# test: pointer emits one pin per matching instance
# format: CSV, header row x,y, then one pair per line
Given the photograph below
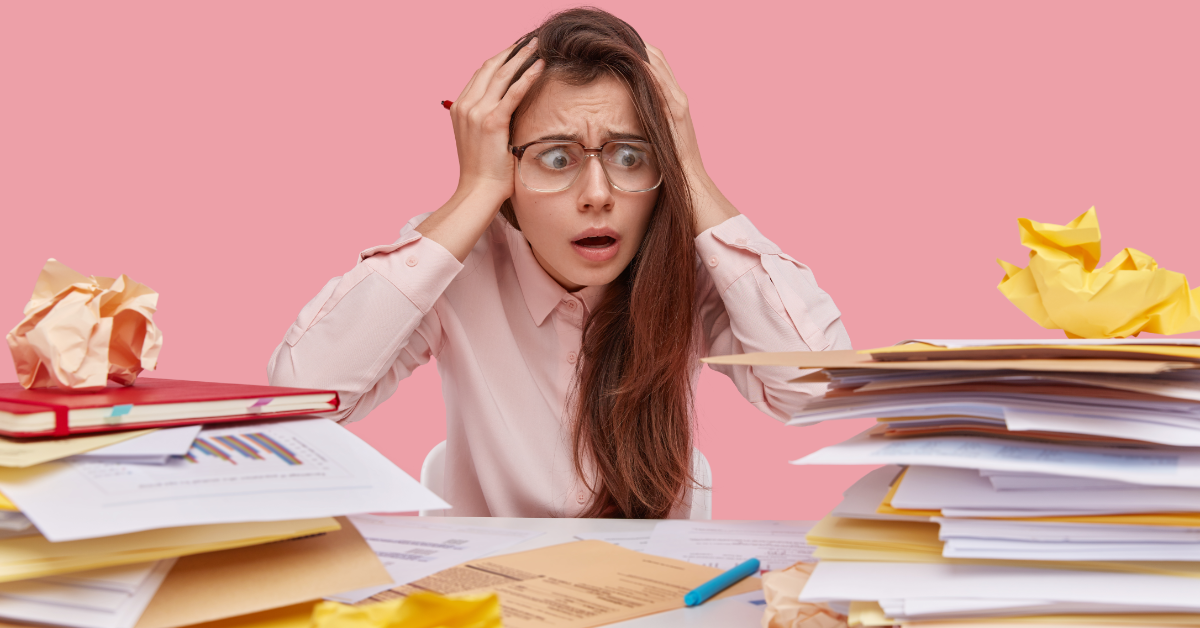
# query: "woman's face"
x,y
586,234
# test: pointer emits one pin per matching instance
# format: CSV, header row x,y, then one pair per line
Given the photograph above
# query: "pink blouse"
x,y
506,337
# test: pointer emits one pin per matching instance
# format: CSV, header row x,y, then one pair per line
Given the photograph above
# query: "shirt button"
x,y
712,261
580,497
572,304
411,261
740,241
571,357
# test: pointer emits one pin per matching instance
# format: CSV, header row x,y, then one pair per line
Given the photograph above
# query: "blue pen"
x,y
700,594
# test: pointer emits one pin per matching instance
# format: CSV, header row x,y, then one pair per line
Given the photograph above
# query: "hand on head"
x,y
481,117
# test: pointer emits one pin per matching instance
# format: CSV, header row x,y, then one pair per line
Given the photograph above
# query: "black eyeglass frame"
x,y
519,152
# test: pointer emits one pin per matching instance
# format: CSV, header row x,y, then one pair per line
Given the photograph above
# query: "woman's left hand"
x,y
711,207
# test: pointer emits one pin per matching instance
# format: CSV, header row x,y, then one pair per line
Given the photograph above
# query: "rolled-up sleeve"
x,y
758,298
370,328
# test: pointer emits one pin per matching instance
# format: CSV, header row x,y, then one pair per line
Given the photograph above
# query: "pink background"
x,y
236,155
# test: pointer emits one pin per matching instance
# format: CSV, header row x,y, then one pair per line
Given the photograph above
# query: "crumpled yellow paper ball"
x,y
1062,288
782,588
79,332
419,610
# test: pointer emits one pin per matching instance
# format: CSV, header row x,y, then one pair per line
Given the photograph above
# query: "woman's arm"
x,y
753,297
370,328
486,168
367,330
710,205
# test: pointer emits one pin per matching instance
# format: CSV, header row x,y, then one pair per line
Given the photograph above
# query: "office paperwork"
x,y
411,549
105,598
1042,480
154,448
261,472
27,453
575,585
726,544
219,585
636,541
1143,466
33,556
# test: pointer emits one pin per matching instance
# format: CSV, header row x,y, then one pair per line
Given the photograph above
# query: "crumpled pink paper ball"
x,y
79,332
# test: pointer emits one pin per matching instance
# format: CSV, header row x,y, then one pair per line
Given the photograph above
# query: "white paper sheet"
x,y
1175,423
114,597
412,548
967,609
854,580
262,472
636,541
1152,467
936,488
862,499
1050,531
157,447
1010,481
1075,551
726,544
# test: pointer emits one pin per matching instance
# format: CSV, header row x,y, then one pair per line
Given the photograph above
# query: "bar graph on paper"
x,y
246,448
223,459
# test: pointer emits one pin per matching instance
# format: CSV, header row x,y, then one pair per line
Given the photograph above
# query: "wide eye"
x,y
555,158
627,156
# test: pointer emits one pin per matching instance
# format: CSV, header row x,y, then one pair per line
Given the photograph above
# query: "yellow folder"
x,y
33,556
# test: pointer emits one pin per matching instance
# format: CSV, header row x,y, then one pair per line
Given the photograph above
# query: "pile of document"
x,y
177,526
1025,482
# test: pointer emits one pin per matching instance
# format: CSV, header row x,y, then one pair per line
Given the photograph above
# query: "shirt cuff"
x,y
418,267
731,249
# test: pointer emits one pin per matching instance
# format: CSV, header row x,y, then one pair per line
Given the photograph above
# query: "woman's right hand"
x,y
486,168
481,117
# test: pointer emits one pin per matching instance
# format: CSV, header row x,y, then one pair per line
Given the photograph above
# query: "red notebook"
x,y
149,403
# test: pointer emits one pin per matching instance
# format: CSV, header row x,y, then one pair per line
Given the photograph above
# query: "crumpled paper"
x,y
419,610
1062,288
785,610
79,332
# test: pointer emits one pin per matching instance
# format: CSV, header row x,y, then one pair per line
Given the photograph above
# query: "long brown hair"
x,y
632,396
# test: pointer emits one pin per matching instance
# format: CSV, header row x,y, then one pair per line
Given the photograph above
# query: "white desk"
x,y
740,611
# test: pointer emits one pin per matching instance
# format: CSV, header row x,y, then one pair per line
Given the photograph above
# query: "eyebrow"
x,y
609,136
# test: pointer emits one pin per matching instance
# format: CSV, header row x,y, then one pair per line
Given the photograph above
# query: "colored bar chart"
x,y
248,447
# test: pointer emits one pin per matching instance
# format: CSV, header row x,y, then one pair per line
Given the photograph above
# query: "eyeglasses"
x,y
553,166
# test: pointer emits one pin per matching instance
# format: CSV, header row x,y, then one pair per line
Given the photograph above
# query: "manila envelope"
x,y
581,584
208,587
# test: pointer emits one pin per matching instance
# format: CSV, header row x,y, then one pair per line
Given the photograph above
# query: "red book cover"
x,y
17,401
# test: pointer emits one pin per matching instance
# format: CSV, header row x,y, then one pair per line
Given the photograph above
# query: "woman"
x,y
567,289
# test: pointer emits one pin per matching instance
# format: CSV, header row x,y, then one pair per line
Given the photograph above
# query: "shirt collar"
x,y
542,293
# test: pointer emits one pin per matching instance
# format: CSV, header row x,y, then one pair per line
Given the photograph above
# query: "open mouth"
x,y
596,242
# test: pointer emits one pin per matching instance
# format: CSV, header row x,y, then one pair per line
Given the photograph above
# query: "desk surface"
x,y
740,611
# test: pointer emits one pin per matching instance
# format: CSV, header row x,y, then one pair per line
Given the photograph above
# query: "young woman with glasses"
x,y
568,288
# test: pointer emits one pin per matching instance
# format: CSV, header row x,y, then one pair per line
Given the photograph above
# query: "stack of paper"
x,y
146,529
1039,480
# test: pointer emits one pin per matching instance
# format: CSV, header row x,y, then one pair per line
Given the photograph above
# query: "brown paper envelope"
x,y
207,587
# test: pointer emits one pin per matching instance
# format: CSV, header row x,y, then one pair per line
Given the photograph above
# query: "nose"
x,y
595,193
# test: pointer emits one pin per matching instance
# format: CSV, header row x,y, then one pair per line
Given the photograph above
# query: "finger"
x,y
467,88
662,72
517,92
503,76
659,61
483,77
